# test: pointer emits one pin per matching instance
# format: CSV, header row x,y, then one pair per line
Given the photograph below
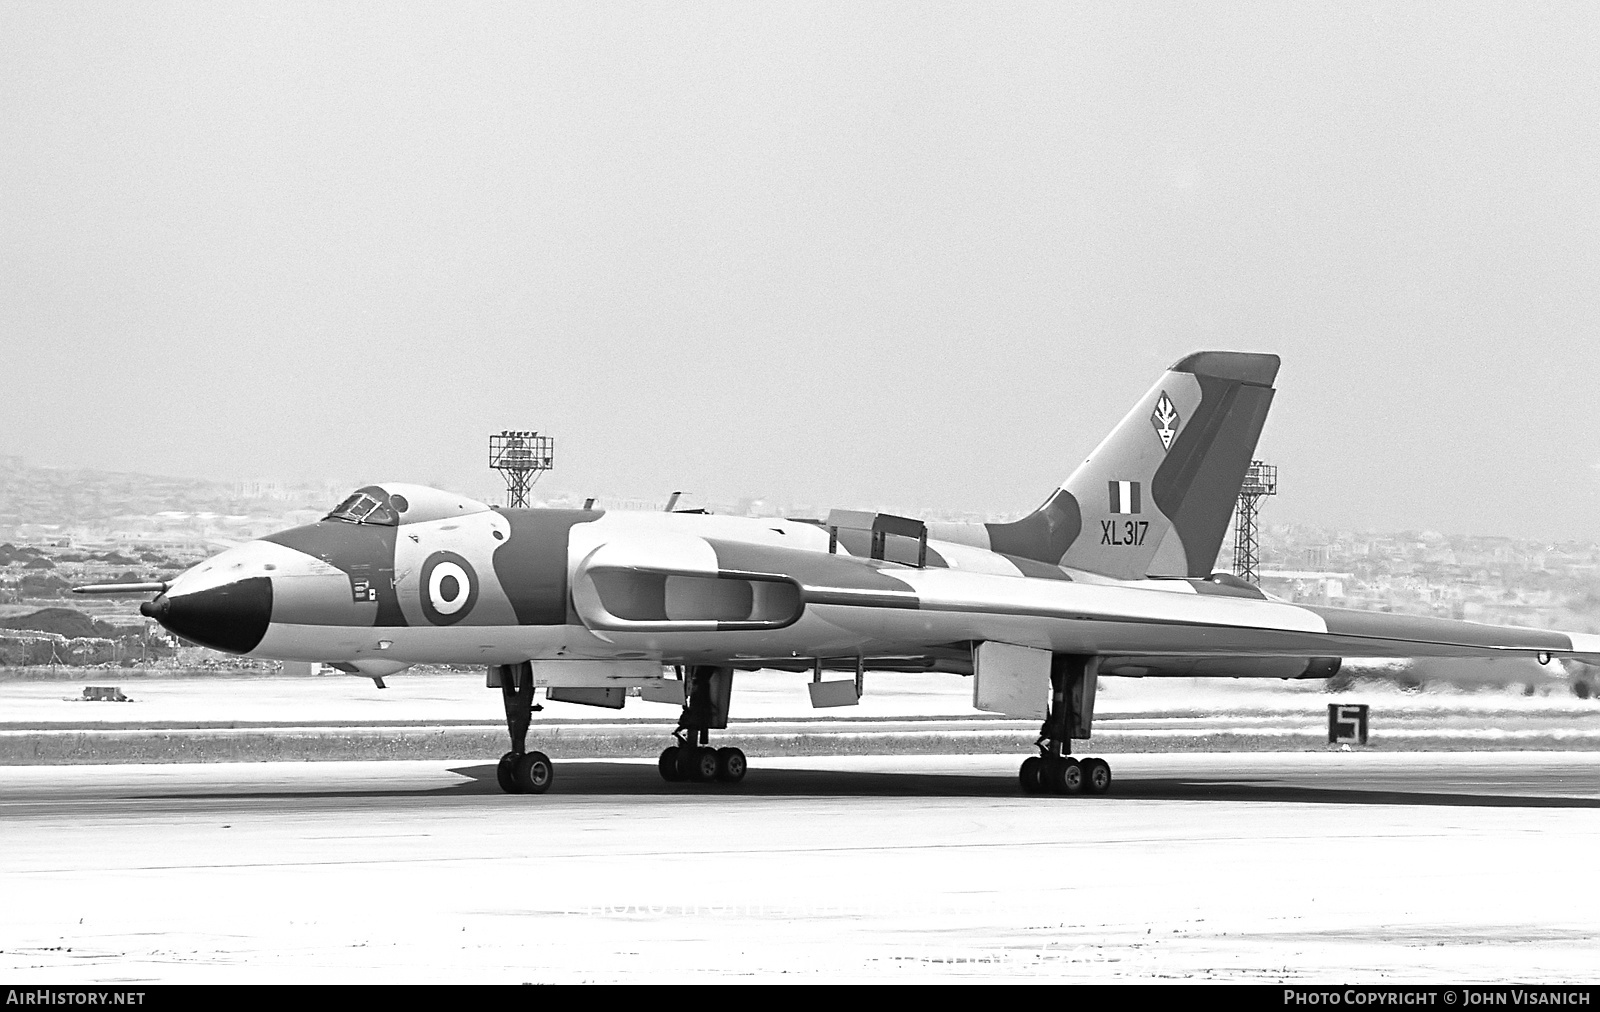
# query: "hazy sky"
x,y
855,254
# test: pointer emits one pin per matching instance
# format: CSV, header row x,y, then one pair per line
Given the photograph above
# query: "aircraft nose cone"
x,y
231,617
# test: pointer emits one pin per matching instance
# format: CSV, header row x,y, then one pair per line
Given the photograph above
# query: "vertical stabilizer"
x,y
1155,496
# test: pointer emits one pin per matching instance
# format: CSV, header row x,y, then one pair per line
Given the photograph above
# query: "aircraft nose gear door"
x,y
706,693
520,771
1073,680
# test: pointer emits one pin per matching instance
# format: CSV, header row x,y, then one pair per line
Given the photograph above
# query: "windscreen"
x,y
363,508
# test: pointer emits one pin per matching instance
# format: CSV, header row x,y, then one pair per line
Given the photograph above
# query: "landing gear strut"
x,y
520,771
1071,715
705,708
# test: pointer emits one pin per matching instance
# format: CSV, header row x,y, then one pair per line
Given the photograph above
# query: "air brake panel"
x,y
1010,679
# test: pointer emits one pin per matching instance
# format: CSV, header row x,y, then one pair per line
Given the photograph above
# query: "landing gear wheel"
x,y
1096,776
668,764
1071,777
1030,773
705,764
1063,776
533,772
697,763
506,775
731,765
686,762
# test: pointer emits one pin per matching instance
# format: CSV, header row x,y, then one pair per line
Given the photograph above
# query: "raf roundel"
x,y
449,588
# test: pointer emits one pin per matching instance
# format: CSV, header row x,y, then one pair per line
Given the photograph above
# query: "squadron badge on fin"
x,y
1165,419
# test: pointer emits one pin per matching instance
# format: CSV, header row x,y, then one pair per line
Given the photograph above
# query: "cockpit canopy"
x,y
393,504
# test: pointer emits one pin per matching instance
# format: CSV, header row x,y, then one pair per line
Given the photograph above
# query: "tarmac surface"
x,y
1305,866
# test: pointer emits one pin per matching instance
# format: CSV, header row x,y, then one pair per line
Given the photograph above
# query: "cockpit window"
x,y
362,508
393,504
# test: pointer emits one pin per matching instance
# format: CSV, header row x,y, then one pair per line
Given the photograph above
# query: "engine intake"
x,y
636,599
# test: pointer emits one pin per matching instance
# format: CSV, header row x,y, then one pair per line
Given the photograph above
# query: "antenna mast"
x,y
1260,480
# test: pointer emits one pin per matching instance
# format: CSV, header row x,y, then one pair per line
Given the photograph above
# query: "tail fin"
x,y
1155,496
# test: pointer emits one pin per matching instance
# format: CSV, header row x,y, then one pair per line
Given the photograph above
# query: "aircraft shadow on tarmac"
x,y
599,778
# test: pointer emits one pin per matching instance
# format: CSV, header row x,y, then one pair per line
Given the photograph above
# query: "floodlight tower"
x,y
1260,480
520,457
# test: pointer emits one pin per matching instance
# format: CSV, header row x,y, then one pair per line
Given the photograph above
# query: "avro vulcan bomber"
x,y
1113,574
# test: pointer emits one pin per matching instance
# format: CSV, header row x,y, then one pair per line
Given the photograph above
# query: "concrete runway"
x,y
1361,866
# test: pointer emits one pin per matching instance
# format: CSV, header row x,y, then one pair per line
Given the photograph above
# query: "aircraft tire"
x,y
731,765
668,764
534,772
686,754
1050,775
505,773
1029,775
1063,776
1096,776
697,764
705,764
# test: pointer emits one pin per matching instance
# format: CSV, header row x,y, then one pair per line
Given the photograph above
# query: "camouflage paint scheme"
x,y
1116,563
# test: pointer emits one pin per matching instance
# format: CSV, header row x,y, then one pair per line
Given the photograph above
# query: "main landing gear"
x,y
1071,715
701,763
705,708
520,771
1062,774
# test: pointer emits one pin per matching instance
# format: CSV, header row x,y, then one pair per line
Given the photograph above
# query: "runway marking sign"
x,y
1347,723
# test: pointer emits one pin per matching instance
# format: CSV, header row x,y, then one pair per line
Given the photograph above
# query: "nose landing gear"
x,y
520,771
705,707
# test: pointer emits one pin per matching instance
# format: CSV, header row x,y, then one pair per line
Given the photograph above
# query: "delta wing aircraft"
x,y
1111,575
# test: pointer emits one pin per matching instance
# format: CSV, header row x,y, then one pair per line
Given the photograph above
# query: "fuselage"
x,y
401,575
452,580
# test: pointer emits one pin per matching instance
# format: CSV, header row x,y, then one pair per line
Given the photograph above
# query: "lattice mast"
x,y
1259,481
520,457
